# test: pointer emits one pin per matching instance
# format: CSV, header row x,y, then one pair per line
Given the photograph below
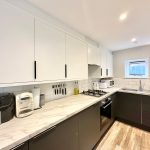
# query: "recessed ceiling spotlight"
x,y
133,40
123,16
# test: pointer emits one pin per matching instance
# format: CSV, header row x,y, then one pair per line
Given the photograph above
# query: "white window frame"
x,y
127,62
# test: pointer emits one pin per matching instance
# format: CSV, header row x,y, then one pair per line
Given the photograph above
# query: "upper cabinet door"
x,y
93,55
49,52
76,58
109,64
106,64
16,45
103,63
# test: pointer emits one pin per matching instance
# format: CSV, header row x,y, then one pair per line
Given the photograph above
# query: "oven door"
x,y
105,113
106,109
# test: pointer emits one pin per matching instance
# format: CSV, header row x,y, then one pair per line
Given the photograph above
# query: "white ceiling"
x,y
99,19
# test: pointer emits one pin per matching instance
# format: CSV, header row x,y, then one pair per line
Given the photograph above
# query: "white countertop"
x,y
145,92
19,130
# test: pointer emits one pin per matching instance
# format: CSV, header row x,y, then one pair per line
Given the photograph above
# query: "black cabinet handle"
x,y
107,72
44,132
65,70
34,69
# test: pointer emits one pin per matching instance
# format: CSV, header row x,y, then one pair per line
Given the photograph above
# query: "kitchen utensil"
x,y
36,97
42,100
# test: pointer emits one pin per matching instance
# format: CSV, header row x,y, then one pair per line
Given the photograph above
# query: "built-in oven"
x,y
105,114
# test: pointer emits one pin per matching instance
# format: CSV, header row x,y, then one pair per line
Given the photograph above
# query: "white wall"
x,y
132,83
119,58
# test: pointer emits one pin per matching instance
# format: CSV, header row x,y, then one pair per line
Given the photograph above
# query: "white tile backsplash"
x,y
132,83
48,90
83,85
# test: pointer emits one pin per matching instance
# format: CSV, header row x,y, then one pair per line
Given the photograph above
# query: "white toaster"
x,y
103,85
24,104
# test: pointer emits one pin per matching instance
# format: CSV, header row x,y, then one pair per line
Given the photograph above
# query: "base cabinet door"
x,y
146,110
62,137
80,132
128,107
89,127
23,146
114,103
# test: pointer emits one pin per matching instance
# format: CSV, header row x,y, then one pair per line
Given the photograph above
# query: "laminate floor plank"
x,y
125,137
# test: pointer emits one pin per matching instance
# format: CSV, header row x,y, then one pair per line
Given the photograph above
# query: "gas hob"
x,y
95,93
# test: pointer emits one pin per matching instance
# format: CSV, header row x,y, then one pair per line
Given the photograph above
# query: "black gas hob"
x,y
96,93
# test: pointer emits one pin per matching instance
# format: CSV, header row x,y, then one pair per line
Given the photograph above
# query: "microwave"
x,y
109,83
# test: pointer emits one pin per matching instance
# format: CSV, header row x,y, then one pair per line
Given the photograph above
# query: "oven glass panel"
x,y
105,113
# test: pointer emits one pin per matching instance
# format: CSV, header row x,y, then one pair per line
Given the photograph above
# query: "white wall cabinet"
x,y
49,52
106,64
93,55
53,50
16,45
24,39
109,64
76,58
103,63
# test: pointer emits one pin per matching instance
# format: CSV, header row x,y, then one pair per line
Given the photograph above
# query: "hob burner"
x,y
96,93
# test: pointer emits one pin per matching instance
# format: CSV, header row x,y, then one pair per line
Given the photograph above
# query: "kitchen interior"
x,y
74,75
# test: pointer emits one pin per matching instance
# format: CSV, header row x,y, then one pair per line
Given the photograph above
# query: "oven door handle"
x,y
107,105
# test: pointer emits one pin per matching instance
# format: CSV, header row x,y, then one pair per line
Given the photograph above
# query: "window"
x,y
138,68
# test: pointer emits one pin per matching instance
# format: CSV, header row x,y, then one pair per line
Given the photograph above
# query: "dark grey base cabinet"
x,y
114,103
62,137
133,109
128,107
145,111
23,146
89,127
81,132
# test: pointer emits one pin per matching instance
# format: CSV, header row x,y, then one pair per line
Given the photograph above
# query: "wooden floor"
x,y
125,137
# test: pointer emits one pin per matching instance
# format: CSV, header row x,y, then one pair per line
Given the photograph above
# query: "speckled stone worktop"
x,y
144,92
19,130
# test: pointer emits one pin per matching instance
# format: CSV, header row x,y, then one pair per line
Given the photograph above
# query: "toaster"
x,y
109,82
103,85
24,104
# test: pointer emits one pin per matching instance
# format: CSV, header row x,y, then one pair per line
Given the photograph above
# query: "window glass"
x,y
136,68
